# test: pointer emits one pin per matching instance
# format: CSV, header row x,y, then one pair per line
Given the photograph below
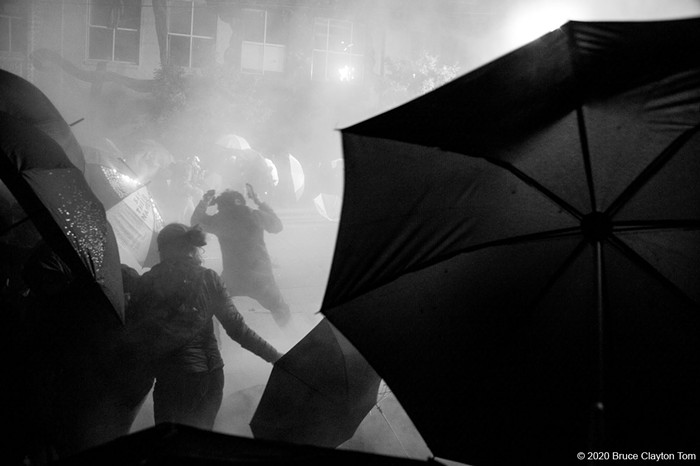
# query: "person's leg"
x,y
190,399
262,287
212,394
174,397
270,297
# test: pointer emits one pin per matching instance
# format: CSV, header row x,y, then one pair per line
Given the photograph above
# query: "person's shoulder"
x,y
212,279
147,275
199,270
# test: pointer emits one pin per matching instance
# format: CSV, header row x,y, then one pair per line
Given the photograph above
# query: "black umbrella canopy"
x,y
531,228
174,444
58,201
318,392
24,101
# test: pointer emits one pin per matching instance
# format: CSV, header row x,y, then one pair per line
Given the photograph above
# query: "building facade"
x,y
310,62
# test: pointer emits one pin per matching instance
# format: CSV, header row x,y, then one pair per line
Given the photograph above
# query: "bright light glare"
x,y
346,73
527,24
129,181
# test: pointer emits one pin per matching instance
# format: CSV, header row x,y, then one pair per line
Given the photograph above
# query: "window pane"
x,y
274,58
203,51
277,30
321,34
358,39
252,57
357,62
126,47
204,21
253,25
19,35
100,13
4,34
13,8
179,50
180,17
131,15
100,44
340,36
339,66
318,66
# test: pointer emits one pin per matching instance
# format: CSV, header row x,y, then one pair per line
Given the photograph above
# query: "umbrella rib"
x,y
345,363
14,225
586,153
123,161
652,225
550,234
305,383
654,167
538,186
346,375
396,436
639,260
558,273
577,66
30,202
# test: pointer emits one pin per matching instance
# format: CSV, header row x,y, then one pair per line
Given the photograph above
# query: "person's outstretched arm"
x,y
232,321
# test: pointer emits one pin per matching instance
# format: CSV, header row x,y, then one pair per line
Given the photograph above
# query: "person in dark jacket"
x,y
247,268
75,390
190,378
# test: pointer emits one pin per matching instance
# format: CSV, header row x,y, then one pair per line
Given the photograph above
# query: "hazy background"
x,y
306,124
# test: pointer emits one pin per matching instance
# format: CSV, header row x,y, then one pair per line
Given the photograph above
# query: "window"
x,y
115,29
13,28
191,34
263,47
337,54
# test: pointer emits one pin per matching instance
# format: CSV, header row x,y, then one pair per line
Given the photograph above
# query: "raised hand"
x,y
251,193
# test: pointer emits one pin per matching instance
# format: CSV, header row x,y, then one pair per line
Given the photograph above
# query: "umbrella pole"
x,y
598,407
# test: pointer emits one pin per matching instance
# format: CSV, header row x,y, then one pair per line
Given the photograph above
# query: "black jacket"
x,y
183,279
240,231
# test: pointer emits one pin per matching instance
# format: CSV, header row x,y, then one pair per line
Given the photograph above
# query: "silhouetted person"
x,y
189,369
247,269
78,392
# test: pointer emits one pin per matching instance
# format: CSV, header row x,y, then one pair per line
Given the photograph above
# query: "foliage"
x,y
404,79
191,110
169,94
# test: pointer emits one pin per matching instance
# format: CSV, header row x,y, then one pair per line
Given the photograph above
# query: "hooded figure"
x,y
247,269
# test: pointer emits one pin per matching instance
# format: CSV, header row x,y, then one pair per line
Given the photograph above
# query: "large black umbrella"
x,y
174,444
54,195
318,392
24,101
519,250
